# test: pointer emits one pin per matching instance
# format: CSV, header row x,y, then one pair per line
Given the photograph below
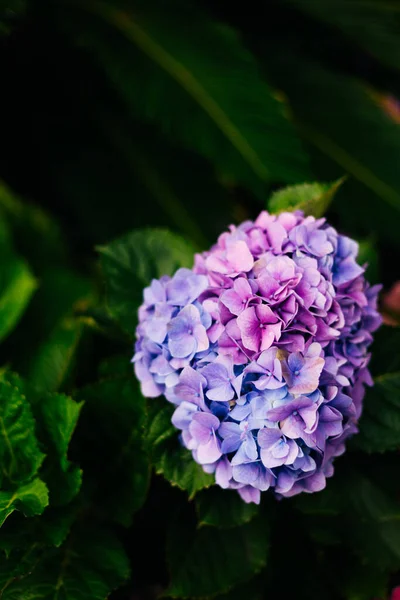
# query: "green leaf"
x,y
17,285
223,508
313,198
113,457
89,566
31,499
168,456
131,262
376,534
342,143
20,457
373,24
53,334
196,557
380,422
36,234
204,71
56,419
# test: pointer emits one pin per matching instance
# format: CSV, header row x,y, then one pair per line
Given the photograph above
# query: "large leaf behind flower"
x,y
199,83
132,261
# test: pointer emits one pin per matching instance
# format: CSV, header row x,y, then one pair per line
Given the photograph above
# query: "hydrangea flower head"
x,y
263,349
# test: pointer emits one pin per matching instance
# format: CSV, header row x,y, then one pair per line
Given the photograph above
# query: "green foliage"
x,y
115,409
17,285
168,456
195,557
374,25
20,456
223,508
214,91
89,565
131,262
380,422
31,499
312,198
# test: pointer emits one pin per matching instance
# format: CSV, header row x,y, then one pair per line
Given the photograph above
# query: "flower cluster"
x,y
263,348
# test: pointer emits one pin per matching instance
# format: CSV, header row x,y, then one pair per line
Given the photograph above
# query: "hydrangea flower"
x,y
263,349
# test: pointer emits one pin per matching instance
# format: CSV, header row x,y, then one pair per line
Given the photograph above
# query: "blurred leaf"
x,y
36,234
250,590
385,350
210,561
203,71
20,457
9,15
380,422
17,285
313,198
223,508
373,24
168,456
51,330
114,458
342,142
368,254
31,499
88,566
376,535
132,261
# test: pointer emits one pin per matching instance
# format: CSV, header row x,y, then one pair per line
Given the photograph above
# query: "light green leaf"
x,y
17,285
380,422
89,566
312,198
190,65
113,458
168,456
31,499
131,262
223,508
20,457
373,24
195,557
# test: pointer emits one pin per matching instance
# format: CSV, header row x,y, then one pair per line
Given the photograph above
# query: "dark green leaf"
x,y
169,457
373,24
380,422
31,499
368,254
36,234
20,457
89,566
210,561
53,333
115,457
204,71
223,508
341,143
313,198
17,285
131,262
